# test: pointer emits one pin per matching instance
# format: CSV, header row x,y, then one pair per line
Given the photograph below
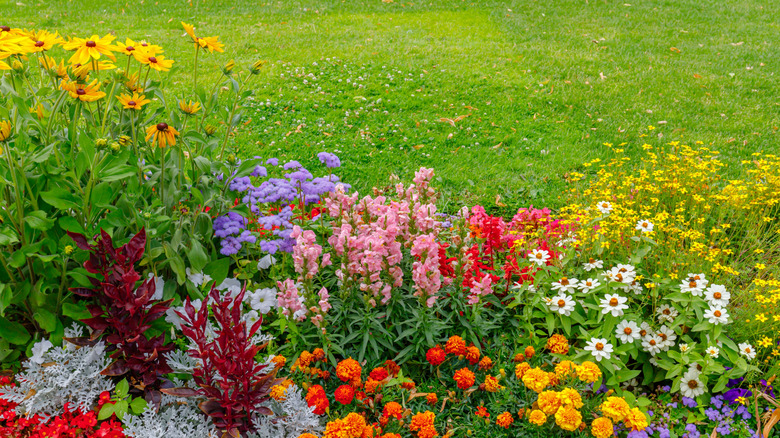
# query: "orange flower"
x,y
392,410
318,354
472,354
568,418
344,394
317,398
486,363
548,402
505,420
521,368
305,359
435,356
349,370
372,385
379,374
529,352
535,379
455,345
570,397
588,372
432,398
279,361
519,357
278,391
558,344
615,408
602,428
464,377
408,385
423,423
565,368
491,384
351,426
537,417
636,419
482,412
392,367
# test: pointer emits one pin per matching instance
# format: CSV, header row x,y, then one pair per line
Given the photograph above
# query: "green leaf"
x,y
121,389
37,220
13,332
106,411
61,198
120,409
75,311
138,405
197,256
46,319
218,269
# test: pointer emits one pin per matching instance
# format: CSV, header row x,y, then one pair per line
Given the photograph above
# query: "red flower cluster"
x,y
317,398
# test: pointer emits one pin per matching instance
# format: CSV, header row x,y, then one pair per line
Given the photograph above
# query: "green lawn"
x,y
544,83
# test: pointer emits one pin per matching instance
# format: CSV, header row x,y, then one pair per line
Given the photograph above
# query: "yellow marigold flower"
x,y
521,368
568,418
162,134
570,397
565,368
190,107
91,48
558,344
505,420
537,417
156,62
134,102
615,408
549,402
491,384
536,380
211,43
44,40
279,361
83,92
5,130
636,419
588,372
602,428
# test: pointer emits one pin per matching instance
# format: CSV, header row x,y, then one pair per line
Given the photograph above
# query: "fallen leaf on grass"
x,y
674,49
455,120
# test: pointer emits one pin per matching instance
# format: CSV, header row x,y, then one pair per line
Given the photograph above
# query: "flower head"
x,y
599,348
568,418
91,48
5,130
83,92
464,378
134,102
190,107
162,134
602,427
537,417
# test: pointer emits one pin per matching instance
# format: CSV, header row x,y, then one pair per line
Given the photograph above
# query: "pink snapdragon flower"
x,y
425,270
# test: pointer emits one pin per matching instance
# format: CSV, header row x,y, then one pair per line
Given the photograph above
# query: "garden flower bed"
x,y
155,284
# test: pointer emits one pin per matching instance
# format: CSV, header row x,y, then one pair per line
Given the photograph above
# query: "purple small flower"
x,y
689,402
272,162
666,388
292,164
241,184
329,160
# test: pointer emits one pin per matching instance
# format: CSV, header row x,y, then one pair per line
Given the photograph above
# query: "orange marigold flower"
x,y
368,431
486,363
521,368
379,374
568,418
392,367
615,408
548,402
529,352
536,380
565,368
278,391
350,426
482,412
602,428
279,361
435,356
519,357
537,417
408,385
455,345
349,370
305,359
344,394
464,377
318,354
588,372
324,375
472,354
372,385
317,398
491,384
390,435
505,420
554,380
307,435
570,397
432,398
520,413
423,422
636,419
392,410
558,344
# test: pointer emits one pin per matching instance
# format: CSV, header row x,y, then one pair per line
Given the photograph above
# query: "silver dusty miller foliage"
x,y
292,417
54,376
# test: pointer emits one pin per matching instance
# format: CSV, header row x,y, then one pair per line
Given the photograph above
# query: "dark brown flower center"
x,y
5,28
693,384
747,349
643,333
619,277
591,261
145,44
699,367
162,127
152,59
564,281
81,92
129,48
131,103
644,224
561,303
652,342
667,312
39,44
91,43
692,284
662,336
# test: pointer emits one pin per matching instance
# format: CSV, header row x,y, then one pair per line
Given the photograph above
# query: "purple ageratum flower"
x,y
272,162
259,172
717,401
241,184
689,402
329,160
713,414
666,388
692,431
672,405
292,164
724,429
663,432
637,434
299,175
230,224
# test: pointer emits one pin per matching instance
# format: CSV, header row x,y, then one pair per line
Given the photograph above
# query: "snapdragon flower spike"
x,y
124,313
234,384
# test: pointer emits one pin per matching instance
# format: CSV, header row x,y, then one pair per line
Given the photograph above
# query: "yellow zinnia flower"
x,y
158,63
91,48
5,130
83,92
162,134
44,40
190,107
134,102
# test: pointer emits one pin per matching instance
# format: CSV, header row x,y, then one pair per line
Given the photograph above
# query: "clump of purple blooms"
x,y
298,187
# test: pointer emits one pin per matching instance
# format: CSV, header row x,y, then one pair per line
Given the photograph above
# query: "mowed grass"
x,y
503,98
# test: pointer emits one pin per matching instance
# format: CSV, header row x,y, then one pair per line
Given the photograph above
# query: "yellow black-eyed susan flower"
x,y
91,48
190,107
158,63
162,134
134,102
83,92
5,130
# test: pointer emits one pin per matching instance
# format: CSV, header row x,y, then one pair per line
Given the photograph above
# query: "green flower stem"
x,y
108,107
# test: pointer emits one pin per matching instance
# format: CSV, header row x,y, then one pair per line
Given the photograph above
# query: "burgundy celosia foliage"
x,y
124,312
230,378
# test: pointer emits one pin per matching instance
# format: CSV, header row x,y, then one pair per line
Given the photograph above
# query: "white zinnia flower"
x,y
263,300
644,226
666,313
667,336
614,304
599,348
717,315
565,285
747,350
39,349
539,256
690,385
652,344
684,348
593,264
605,207
717,295
713,351
562,304
588,285
627,331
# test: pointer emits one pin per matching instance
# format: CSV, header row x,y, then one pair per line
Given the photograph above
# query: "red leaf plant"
x,y
228,375
124,313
